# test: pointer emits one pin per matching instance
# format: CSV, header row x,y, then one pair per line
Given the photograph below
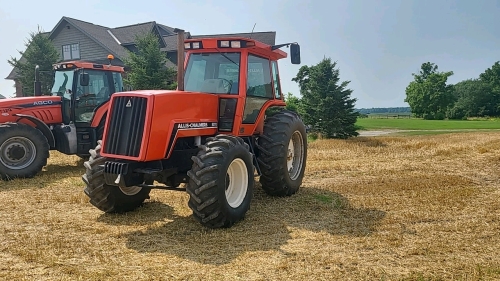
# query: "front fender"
x,y
40,125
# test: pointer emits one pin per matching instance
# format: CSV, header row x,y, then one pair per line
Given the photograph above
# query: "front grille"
x,y
126,126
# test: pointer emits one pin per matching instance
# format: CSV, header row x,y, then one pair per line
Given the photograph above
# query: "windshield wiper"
x,y
224,55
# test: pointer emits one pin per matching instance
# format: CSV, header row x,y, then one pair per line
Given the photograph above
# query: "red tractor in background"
x,y
70,119
215,133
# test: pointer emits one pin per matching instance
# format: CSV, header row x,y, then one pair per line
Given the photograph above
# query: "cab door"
x,y
259,89
87,100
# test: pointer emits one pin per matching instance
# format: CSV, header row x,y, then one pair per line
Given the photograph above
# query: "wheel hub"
x,y
236,183
17,153
295,156
131,190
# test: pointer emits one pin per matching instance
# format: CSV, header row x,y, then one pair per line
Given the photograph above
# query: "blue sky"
x,y
376,43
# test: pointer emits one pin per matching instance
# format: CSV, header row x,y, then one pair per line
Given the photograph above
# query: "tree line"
x,y
431,97
384,110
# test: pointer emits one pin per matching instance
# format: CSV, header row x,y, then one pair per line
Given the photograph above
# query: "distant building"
x,y
2,97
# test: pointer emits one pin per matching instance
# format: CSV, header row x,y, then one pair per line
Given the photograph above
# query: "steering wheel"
x,y
227,84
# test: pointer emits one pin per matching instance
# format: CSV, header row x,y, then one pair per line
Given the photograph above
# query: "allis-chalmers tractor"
x,y
70,119
212,133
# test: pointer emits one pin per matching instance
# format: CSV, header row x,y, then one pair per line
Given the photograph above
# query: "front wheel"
x,y
24,151
107,198
221,182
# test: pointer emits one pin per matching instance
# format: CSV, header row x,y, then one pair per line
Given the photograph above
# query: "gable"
x,y
89,49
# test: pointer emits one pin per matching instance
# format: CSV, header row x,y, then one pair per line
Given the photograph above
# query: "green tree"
x,y
147,66
491,76
326,101
293,103
474,98
39,51
428,95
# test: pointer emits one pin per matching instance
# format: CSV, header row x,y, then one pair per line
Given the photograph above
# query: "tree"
x,y
428,95
474,98
491,76
147,66
293,103
326,102
39,51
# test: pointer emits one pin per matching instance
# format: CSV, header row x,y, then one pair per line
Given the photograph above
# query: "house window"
x,y
71,51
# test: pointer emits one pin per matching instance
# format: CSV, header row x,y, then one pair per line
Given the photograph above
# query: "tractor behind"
x,y
214,134
70,119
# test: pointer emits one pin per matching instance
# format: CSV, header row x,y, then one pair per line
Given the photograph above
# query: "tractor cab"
x,y
84,87
243,72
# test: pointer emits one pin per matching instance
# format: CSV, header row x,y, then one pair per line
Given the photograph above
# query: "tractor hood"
x,y
45,108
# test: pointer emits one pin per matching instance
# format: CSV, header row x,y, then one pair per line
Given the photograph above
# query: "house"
x,y
80,40
2,97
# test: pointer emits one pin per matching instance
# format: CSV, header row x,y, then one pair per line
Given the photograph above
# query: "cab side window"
x,y
259,78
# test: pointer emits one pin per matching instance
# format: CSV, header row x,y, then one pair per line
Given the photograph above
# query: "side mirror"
x,y
84,79
295,53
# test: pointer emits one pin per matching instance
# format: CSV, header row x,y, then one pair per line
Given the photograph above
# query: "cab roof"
x,y
233,44
87,65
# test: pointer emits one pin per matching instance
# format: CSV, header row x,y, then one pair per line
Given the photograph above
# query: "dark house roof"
x,y
2,97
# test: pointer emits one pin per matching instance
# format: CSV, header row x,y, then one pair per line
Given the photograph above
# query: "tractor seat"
x,y
234,88
214,86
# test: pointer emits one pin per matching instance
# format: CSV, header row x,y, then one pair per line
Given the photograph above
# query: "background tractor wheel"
x,y
221,182
283,153
107,198
24,151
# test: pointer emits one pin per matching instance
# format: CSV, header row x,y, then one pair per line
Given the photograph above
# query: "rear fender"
x,y
40,125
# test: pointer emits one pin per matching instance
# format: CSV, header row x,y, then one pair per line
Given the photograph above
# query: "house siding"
x,y
89,50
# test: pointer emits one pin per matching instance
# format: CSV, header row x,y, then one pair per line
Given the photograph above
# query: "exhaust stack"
x,y
37,83
180,59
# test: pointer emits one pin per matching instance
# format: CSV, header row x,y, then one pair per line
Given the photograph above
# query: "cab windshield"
x,y
63,83
216,73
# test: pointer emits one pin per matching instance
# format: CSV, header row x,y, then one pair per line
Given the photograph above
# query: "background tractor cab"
x,y
84,87
70,119
214,133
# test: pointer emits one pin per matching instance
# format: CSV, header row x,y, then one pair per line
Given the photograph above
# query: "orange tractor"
x,y
214,133
70,119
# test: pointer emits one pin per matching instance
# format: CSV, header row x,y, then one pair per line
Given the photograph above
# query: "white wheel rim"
x,y
131,190
17,153
236,183
295,155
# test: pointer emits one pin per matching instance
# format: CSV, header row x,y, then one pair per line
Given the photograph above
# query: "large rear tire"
x,y
107,198
221,182
283,153
24,151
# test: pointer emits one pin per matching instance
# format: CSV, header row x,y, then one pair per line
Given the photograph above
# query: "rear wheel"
x,y
221,182
107,198
283,154
24,151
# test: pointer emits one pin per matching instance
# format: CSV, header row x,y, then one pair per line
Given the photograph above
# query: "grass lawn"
x,y
384,208
420,124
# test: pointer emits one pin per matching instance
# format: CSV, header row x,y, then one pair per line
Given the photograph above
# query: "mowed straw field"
x,y
371,208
